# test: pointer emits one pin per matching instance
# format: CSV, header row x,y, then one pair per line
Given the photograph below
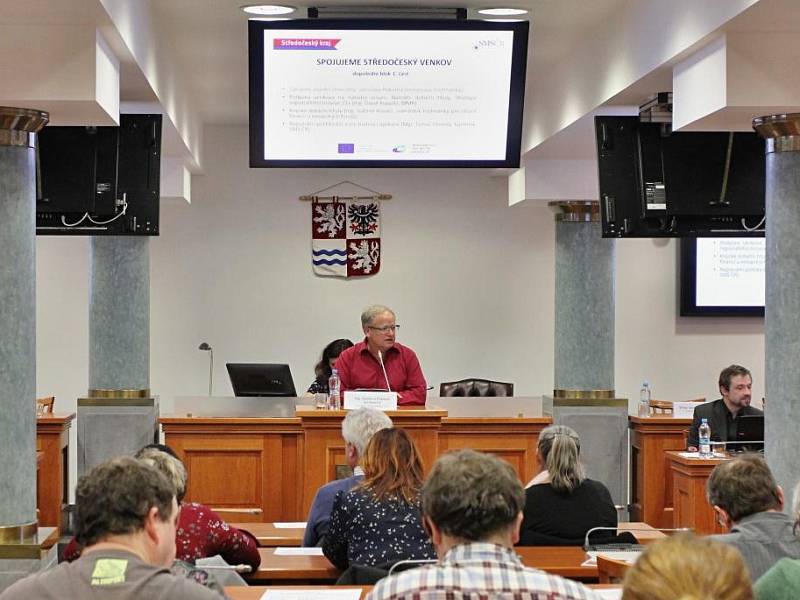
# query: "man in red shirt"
x,y
360,366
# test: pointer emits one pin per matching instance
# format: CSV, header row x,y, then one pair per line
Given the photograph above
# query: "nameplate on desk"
x,y
376,399
684,410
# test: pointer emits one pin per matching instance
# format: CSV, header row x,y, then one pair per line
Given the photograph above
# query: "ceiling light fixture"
x,y
504,20
270,19
503,12
267,9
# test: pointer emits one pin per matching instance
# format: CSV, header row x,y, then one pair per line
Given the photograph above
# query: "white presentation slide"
x,y
730,272
386,95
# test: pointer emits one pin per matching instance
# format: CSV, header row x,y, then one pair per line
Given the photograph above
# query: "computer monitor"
x,y
259,379
750,428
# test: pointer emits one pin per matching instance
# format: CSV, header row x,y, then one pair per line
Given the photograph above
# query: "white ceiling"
x,y
209,41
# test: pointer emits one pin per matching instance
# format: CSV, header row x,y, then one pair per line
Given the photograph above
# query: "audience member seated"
x,y
201,532
378,522
782,581
561,504
690,568
358,427
326,365
748,501
125,518
472,508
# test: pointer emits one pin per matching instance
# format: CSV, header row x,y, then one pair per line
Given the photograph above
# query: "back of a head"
x,y
392,466
169,465
559,449
361,424
687,567
743,486
115,497
471,495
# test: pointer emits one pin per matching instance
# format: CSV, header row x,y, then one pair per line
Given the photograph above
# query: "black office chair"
x,y
476,387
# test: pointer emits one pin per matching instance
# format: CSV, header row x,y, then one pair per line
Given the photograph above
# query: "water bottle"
x,y
704,433
644,399
334,391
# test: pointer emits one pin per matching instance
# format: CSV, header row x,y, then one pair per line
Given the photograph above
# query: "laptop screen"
x,y
260,379
750,428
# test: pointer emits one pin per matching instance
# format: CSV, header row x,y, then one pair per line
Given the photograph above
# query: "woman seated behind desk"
x,y
379,521
561,504
326,365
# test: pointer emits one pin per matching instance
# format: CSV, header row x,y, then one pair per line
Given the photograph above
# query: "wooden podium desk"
x,y
651,482
689,476
268,469
52,474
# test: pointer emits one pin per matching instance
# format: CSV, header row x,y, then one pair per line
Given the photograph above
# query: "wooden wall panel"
x,y
651,482
262,469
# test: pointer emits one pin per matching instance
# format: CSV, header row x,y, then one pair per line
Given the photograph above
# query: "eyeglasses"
x,y
385,328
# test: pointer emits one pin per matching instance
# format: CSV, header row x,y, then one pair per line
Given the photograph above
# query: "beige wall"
x,y
470,278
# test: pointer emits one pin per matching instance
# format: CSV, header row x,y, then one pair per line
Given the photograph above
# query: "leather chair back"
x,y
476,387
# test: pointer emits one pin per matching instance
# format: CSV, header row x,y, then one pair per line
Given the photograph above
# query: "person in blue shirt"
x,y
358,427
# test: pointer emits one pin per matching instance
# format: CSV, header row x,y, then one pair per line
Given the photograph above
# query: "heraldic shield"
x,y
346,238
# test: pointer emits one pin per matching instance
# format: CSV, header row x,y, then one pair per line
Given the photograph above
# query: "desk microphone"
x,y
587,546
385,376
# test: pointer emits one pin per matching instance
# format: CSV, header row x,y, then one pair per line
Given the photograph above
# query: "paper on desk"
x,y
290,551
320,594
629,556
690,454
609,593
291,525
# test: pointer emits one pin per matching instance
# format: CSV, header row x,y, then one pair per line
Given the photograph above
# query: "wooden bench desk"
x,y
269,536
557,560
254,592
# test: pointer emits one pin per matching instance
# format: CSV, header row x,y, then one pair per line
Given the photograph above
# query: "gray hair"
x,y
361,424
472,495
168,465
559,449
373,311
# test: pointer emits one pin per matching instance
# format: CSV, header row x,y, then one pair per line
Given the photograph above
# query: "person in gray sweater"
x,y
749,503
126,514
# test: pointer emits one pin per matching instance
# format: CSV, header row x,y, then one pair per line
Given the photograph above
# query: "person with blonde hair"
x,y
561,503
687,567
379,521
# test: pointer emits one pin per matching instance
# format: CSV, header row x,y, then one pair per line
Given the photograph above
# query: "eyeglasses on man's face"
x,y
385,328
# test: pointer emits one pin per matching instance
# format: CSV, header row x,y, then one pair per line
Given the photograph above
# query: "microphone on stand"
x,y
385,376
204,346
